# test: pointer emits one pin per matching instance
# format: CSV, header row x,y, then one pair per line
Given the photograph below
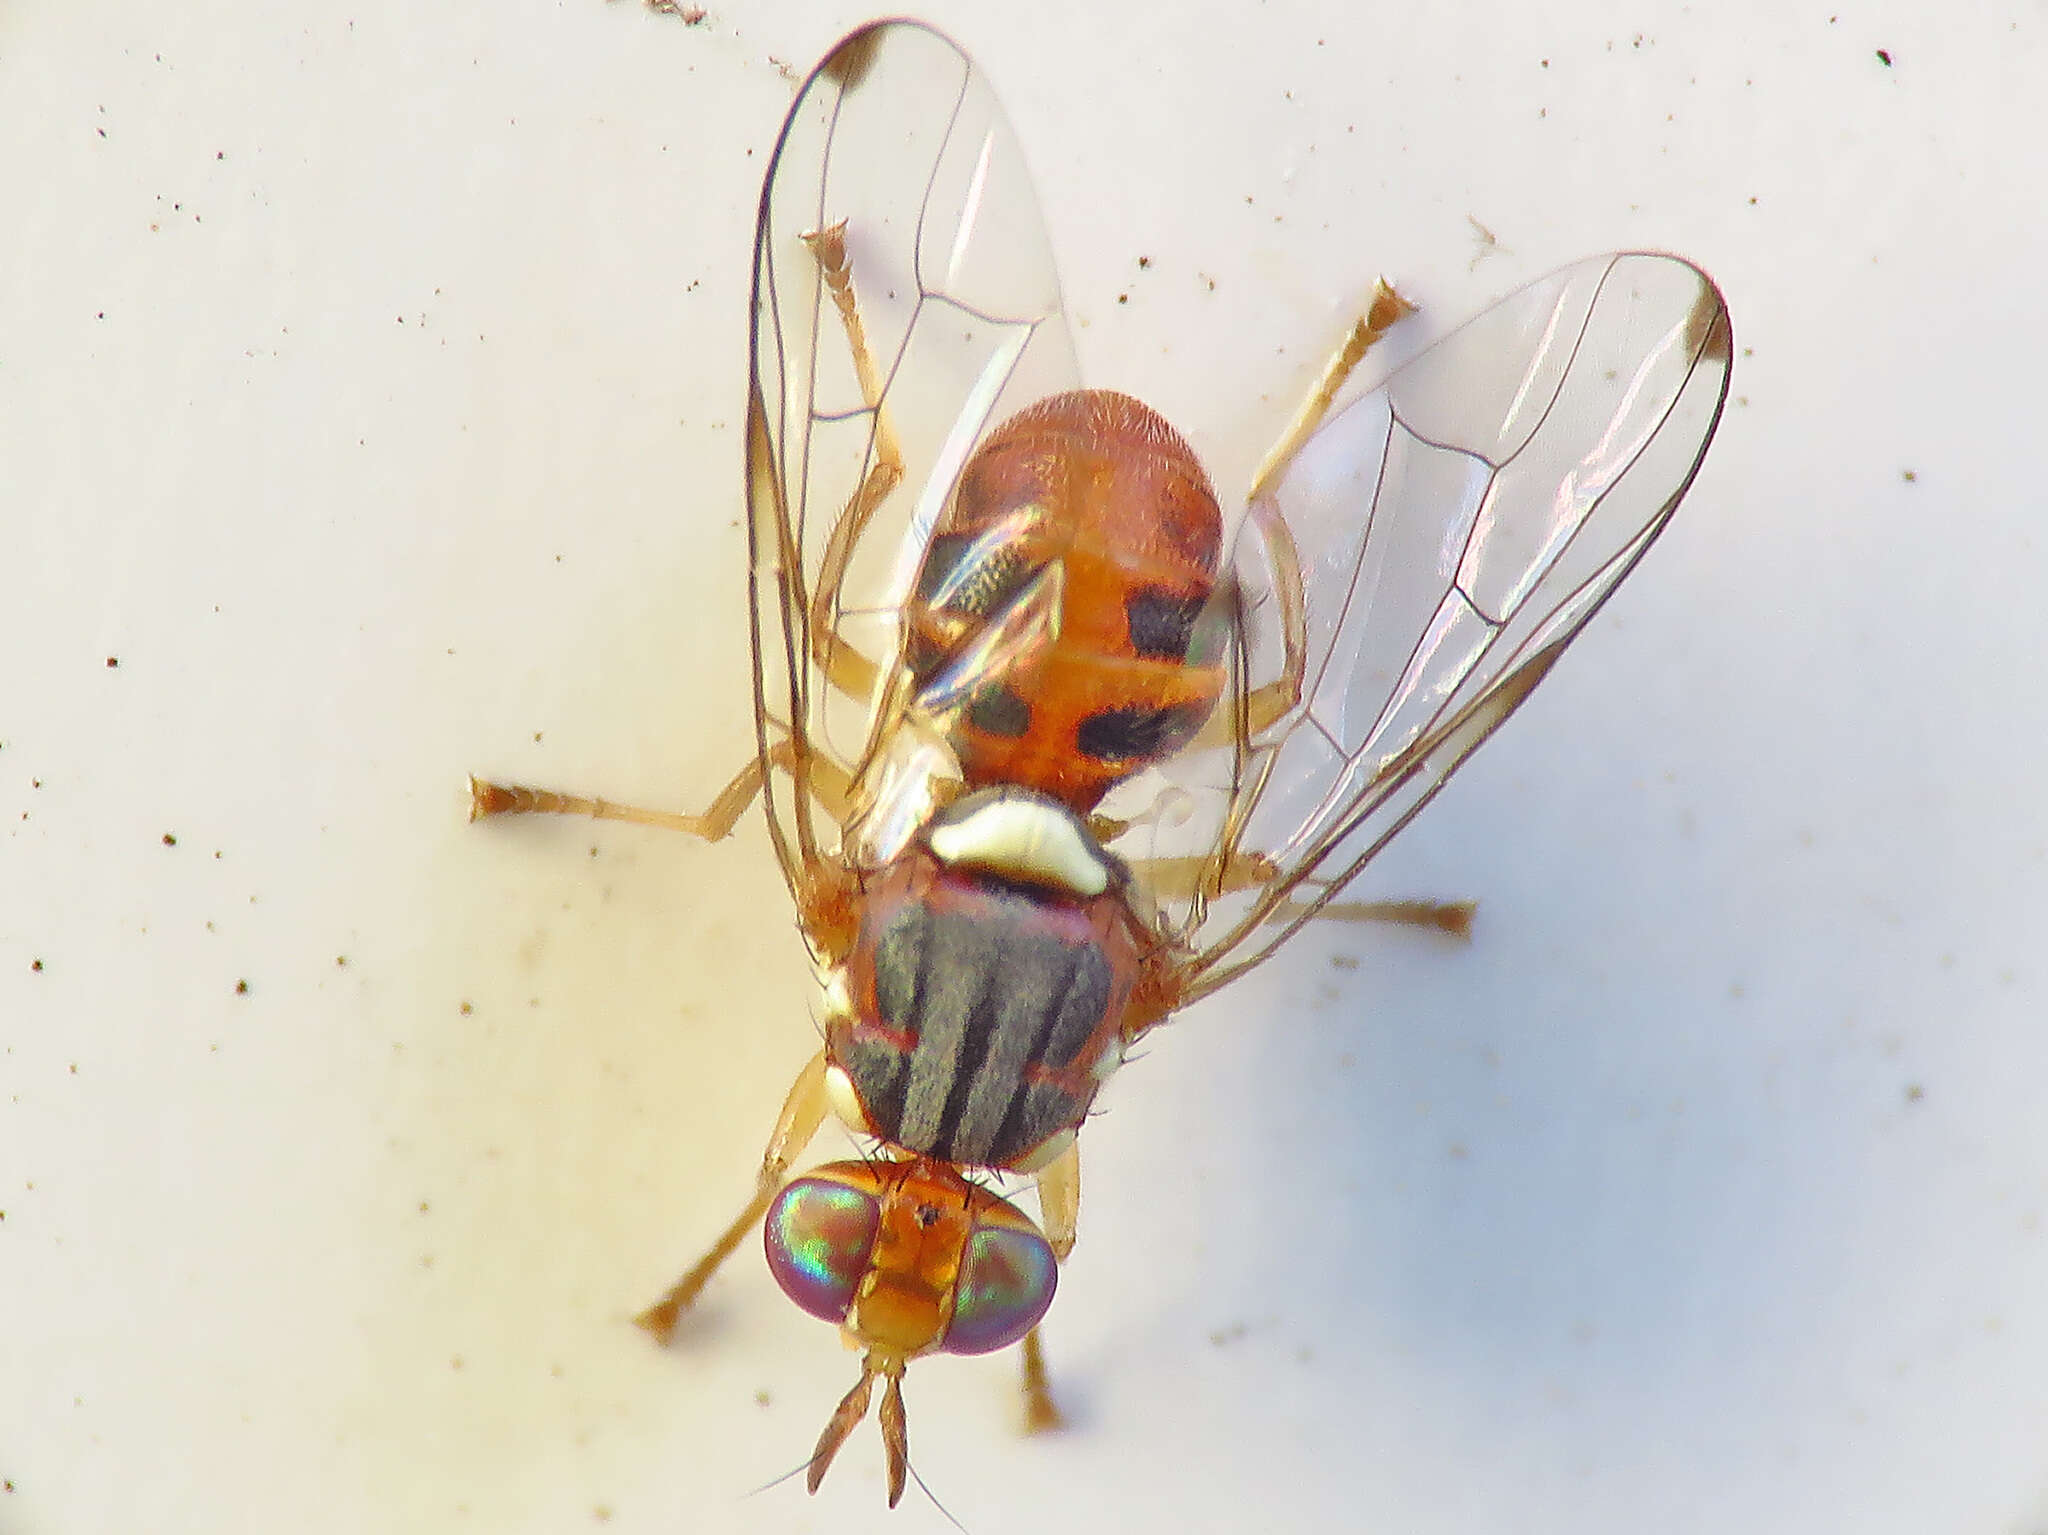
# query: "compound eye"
x,y
1006,1282
819,1234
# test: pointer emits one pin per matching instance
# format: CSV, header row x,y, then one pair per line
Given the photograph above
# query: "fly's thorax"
x,y
983,1003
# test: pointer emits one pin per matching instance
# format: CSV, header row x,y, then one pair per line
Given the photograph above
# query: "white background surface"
x,y
369,386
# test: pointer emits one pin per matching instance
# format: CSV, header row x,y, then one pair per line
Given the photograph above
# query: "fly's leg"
x,y
713,825
844,666
850,671
1387,307
1183,879
802,1112
1059,1211
1059,1200
828,782
1041,1412
1277,698
1452,917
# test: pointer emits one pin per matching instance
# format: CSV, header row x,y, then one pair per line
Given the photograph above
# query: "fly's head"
x,y
908,1258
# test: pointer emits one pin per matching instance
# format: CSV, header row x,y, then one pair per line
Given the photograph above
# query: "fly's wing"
x,y
1416,570
944,260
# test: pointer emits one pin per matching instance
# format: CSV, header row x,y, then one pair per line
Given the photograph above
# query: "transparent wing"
x,y
1413,573
881,353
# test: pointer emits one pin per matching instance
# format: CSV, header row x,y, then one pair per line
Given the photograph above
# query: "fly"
x,y
1049,747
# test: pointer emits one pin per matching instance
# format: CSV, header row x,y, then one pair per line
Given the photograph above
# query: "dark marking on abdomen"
x,y
999,712
1162,621
1138,734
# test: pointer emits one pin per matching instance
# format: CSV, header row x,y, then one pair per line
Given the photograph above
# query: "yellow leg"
x,y
1182,878
850,671
1387,307
1059,1213
1059,1200
828,782
1451,917
1277,698
844,666
802,1112
1041,1414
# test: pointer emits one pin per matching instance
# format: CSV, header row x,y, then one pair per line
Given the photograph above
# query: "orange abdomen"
x,y
1094,493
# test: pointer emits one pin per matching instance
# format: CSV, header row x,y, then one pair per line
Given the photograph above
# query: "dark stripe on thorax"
x,y
986,997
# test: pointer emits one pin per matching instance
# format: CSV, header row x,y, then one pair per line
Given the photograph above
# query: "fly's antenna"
x,y
845,1417
931,1497
790,1475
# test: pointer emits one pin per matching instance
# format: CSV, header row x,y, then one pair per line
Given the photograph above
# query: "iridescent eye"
x,y
1006,1282
819,1234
